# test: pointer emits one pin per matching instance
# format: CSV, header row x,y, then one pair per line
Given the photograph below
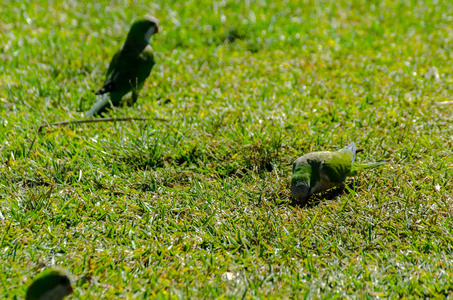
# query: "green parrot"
x,y
51,284
130,66
319,171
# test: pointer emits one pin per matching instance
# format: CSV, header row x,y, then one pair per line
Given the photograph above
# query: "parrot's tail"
x,y
99,107
359,167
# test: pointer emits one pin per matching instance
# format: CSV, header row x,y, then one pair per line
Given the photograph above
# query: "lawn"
x,y
194,203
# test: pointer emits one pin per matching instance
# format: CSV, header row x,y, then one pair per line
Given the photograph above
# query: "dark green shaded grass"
x,y
199,206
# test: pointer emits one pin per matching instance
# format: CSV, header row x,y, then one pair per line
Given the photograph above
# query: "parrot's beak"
x,y
157,29
70,290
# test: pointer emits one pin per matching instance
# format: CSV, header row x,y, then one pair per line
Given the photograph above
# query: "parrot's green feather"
x,y
301,173
337,165
44,285
319,171
129,67
112,66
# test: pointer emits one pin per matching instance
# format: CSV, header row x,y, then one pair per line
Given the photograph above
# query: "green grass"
x,y
199,206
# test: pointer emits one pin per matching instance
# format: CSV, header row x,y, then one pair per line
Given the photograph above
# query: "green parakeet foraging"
x,y
319,171
51,284
130,66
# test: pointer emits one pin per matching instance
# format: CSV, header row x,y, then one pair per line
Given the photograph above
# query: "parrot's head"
x,y
300,182
300,190
52,284
143,28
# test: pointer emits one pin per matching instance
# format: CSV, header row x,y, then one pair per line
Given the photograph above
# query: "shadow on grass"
x,y
331,194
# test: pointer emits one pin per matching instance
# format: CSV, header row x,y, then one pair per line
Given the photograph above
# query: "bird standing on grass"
x,y
130,66
319,171
52,284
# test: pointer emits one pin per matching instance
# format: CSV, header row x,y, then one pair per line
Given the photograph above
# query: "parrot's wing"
x,y
112,75
129,72
144,63
337,165
147,56
106,88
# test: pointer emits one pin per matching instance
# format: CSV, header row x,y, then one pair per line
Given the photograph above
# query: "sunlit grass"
x,y
199,206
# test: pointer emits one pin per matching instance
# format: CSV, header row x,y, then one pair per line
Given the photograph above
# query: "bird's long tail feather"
x,y
99,107
359,167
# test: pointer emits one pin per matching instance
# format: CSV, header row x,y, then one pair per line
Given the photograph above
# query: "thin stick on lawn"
x,y
101,120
